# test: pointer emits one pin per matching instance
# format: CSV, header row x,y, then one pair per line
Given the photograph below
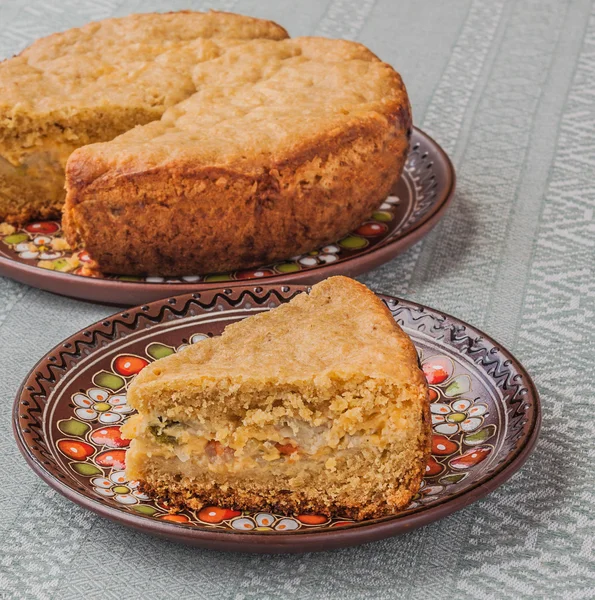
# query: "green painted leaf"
x,y
108,380
73,427
459,385
157,350
218,277
353,242
479,437
86,469
60,264
288,267
383,216
144,509
454,478
16,238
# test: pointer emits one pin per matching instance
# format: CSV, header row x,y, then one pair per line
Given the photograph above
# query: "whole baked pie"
x,y
318,405
221,144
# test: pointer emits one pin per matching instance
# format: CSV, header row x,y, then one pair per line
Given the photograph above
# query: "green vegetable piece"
x,y
157,350
86,469
73,427
108,380
162,438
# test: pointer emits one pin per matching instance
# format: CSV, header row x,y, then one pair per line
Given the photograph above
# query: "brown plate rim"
x,y
127,293
302,541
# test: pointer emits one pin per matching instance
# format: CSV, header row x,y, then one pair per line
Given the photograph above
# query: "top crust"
x,y
257,105
340,331
143,59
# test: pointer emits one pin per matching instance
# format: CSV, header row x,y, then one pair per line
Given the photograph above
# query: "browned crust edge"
x,y
257,232
284,34
180,496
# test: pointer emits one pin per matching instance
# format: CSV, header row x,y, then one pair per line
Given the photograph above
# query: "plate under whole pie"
x,y
415,204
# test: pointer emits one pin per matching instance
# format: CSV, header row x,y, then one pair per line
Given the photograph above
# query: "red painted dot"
x,y
128,365
435,374
371,229
47,227
112,458
109,436
312,519
253,274
75,449
433,467
442,446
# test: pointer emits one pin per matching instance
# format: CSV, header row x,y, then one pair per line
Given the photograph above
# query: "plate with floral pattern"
x,y
68,413
38,254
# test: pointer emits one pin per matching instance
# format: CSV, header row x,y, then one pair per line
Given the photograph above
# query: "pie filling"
x,y
237,446
42,170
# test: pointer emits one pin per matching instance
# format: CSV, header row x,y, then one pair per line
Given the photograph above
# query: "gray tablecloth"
x,y
508,89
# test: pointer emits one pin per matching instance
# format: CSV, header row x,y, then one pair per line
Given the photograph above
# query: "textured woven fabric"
x,y
508,89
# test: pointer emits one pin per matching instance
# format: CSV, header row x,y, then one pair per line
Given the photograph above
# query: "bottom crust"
x,y
180,493
371,501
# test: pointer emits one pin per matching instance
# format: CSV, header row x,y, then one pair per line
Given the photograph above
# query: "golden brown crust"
x,y
341,329
257,219
294,146
307,163
330,373
183,494
92,83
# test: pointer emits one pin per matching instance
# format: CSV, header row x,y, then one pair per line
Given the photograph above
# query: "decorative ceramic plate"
x,y
35,254
68,413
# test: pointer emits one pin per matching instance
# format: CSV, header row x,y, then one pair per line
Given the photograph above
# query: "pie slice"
x,y
316,406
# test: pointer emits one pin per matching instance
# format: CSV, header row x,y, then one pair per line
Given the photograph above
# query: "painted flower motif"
x,y
390,202
460,415
324,256
426,489
254,273
159,279
451,414
427,493
118,488
98,403
194,339
39,248
264,522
